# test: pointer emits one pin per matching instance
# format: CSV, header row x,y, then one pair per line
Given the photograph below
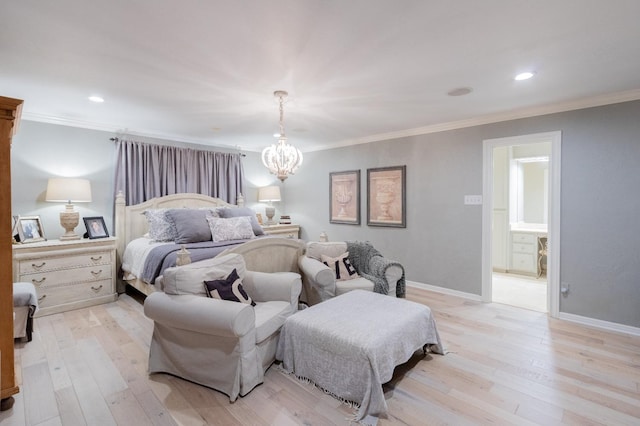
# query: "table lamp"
x,y
269,194
68,190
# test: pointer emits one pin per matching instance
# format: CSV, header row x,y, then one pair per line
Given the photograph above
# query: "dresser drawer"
x,y
523,238
523,262
523,248
68,276
44,264
53,296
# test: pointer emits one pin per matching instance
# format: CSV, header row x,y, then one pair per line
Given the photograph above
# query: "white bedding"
x,y
135,255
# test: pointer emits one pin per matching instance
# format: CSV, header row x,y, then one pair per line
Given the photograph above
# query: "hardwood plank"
x,y
69,407
126,409
39,396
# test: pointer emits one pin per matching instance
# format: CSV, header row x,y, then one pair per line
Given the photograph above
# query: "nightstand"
x,y
286,231
68,274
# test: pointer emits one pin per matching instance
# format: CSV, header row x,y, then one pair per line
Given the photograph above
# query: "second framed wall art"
x,y
344,193
386,197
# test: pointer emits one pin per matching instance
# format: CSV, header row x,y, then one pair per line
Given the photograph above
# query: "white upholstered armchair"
x,y
221,344
374,272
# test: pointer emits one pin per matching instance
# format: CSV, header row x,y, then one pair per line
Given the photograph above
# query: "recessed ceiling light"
x,y
460,91
523,76
96,99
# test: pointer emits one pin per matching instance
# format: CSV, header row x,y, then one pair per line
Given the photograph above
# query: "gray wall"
x,y
442,242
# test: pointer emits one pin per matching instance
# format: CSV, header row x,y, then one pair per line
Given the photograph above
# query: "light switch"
x,y
473,200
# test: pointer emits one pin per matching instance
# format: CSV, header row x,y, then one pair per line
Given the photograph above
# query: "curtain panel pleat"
x,y
145,171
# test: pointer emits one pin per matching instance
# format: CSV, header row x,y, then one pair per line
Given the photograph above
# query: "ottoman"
x,y
349,345
25,305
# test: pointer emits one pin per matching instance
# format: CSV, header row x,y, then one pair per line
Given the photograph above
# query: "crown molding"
x,y
50,119
595,101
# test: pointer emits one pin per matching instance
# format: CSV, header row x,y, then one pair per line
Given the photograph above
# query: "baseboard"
x,y
444,290
591,322
604,325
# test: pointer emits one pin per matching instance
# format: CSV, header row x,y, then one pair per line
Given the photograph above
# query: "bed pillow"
x,y
228,212
341,266
191,225
161,227
233,228
229,288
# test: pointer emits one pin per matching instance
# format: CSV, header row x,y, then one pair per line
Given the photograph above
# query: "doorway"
x,y
521,221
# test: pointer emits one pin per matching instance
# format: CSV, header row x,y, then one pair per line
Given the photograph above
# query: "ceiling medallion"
x,y
281,159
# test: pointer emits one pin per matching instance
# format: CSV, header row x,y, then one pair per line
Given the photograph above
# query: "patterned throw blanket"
x,y
371,265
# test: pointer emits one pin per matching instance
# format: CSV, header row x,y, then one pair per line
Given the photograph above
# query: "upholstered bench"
x,y
25,304
349,345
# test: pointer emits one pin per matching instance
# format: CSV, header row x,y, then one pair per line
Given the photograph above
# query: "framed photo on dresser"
x,y
30,229
96,227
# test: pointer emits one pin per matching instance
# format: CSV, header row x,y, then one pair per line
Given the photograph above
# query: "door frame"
x,y
553,231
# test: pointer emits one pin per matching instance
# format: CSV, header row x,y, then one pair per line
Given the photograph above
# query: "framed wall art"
x,y
30,229
96,227
344,197
386,197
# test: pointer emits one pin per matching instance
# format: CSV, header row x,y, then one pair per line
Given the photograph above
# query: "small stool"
x,y
25,305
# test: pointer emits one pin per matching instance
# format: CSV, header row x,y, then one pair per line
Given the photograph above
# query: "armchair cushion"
x,y
270,317
229,288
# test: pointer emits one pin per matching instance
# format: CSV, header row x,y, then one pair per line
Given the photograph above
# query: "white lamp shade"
x,y
269,193
63,190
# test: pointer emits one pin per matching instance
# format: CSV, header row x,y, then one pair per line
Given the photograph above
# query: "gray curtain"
x,y
145,171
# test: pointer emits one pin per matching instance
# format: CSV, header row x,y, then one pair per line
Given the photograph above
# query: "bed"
x,y
134,245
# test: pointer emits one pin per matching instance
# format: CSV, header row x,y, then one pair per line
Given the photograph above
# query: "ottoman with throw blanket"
x,y
349,345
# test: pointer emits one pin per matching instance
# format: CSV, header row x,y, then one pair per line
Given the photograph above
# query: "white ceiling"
x,y
356,70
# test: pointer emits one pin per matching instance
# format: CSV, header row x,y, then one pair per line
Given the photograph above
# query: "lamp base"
x,y
69,219
270,211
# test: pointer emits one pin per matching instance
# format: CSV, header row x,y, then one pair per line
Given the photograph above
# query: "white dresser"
x,y
525,251
68,274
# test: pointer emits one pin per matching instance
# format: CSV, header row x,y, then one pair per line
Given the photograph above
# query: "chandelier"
x,y
281,159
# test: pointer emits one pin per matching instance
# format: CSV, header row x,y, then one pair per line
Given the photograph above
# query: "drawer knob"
x,y
38,282
96,273
34,266
96,258
96,288
41,298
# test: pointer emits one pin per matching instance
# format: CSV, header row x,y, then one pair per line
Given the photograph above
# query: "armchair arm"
x,y
389,270
263,287
200,314
319,276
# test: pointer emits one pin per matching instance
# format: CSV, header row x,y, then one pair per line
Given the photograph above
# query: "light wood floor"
x,y
505,366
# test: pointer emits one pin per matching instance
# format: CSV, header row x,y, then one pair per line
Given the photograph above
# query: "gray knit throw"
x,y
371,265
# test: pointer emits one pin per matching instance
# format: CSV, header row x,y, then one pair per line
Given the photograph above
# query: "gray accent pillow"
x,y
191,225
228,212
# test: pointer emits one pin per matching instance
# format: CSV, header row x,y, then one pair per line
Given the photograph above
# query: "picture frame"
x,y
387,196
30,229
344,197
95,227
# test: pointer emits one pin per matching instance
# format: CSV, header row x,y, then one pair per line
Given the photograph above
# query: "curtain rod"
x,y
115,139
